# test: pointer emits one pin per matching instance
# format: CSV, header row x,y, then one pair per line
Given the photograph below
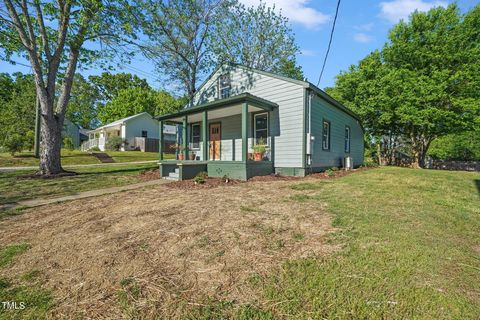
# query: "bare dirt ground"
x,y
157,251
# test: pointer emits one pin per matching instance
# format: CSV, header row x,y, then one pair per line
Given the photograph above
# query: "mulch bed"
x,y
153,174
209,183
274,177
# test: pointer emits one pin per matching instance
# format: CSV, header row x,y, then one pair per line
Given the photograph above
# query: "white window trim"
x,y
326,141
199,136
220,88
348,139
255,127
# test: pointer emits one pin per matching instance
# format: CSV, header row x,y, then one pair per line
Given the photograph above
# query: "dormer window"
x,y
224,86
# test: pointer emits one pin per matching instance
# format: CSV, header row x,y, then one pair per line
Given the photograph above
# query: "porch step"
x,y
103,157
170,178
174,175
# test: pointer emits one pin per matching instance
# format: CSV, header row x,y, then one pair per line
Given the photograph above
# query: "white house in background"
x,y
139,132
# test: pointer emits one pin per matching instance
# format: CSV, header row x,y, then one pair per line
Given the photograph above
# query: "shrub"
x,y
334,168
200,178
14,143
369,162
94,149
202,174
68,143
329,172
114,143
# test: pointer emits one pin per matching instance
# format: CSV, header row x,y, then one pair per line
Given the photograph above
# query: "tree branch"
x,y
43,31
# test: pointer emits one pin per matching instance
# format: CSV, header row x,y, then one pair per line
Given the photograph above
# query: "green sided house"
x,y
244,122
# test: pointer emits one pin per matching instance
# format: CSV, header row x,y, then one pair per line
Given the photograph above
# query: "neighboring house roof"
x,y
305,84
121,121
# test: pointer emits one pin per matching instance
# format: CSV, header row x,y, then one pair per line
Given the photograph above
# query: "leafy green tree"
x,y
17,111
51,35
438,56
423,84
82,108
126,103
68,143
257,37
131,101
108,85
14,143
166,103
462,146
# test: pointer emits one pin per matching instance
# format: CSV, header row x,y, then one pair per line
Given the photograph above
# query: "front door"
x,y
214,147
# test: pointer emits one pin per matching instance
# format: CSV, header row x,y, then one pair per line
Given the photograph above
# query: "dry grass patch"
x,y
162,252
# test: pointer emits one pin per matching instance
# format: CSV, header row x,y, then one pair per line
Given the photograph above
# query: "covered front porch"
x,y
221,137
97,138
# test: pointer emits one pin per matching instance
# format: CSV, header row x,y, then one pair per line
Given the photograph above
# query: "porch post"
x,y
205,135
245,132
269,133
184,137
160,142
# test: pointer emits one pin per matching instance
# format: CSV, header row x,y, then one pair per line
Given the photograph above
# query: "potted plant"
x,y
259,149
191,155
180,149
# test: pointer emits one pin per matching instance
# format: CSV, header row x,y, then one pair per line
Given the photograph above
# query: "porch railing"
x,y
92,143
87,145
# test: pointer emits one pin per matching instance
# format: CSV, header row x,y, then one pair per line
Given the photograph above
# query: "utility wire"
x,y
329,43
20,64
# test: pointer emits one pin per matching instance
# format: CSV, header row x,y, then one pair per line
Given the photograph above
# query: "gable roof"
x,y
123,120
305,84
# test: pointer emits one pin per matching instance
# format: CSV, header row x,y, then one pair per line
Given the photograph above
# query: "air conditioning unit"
x,y
348,163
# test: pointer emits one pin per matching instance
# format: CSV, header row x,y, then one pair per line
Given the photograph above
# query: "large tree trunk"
x,y
50,145
420,147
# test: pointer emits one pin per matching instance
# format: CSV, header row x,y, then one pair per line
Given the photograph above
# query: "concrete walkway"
x,y
81,195
9,169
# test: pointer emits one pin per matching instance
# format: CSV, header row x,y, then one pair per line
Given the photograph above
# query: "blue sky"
x,y
362,26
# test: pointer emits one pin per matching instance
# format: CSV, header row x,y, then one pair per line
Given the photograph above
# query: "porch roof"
x,y
217,104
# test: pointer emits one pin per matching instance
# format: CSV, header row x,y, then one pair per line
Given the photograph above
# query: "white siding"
x,y
135,126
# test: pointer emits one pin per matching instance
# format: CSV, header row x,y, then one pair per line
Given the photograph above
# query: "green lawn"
x,y
13,188
75,157
410,244
26,290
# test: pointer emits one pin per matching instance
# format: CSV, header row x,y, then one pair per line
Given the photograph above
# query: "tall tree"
x,y
52,36
109,85
82,107
423,84
180,34
17,117
257,37
437,54
130,101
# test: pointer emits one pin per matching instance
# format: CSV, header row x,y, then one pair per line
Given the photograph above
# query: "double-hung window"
x,y
224,86
195,136
326,135
260,126
347,139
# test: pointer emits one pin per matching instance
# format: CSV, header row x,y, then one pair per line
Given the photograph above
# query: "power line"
x,y
19,63
329,43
